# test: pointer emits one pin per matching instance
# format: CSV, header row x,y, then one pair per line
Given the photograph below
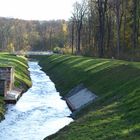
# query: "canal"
x,y
40,111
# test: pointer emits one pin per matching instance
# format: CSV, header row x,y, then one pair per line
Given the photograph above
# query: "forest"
x,y
23,35
99,28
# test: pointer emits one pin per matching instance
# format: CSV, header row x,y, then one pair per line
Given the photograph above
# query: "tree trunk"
x,y
72,37
78,41
134,15
118,26
102,10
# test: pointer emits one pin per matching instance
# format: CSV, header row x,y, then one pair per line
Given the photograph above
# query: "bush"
x,y
57,50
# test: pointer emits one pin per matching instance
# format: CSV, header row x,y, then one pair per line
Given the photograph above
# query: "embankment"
x,y
21,74
115,115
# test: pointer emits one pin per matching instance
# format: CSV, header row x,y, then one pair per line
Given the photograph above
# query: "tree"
x,y
118,23
78,15
102,7
135,22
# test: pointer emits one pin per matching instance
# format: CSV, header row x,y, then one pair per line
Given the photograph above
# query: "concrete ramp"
x,y
79,97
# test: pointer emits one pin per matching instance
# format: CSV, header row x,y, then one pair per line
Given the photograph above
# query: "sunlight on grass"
x,y
115,114
96,66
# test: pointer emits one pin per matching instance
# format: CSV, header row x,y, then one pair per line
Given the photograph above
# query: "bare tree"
x,y
78,15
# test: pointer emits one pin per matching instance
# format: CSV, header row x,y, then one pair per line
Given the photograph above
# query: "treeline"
x,y
101,28
106,28
22,35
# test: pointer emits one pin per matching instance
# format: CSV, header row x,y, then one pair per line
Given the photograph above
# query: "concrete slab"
x,y
77,99
75,90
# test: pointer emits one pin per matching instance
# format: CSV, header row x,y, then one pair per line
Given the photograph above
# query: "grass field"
x,y
21,74
115,115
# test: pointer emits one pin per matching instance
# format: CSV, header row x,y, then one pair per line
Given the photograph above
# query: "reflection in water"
x,y
39,112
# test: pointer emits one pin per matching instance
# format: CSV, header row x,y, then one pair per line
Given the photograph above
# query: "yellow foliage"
x,y
10,47
68,50
64,27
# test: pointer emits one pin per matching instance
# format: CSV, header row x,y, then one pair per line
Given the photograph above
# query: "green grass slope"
x,y
115,115
21,74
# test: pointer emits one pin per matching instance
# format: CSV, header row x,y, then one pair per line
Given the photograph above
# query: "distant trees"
x,y
110,28
101,28
17,35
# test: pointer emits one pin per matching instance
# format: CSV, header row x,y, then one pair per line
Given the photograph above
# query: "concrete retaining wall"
x,y
7,79
2,87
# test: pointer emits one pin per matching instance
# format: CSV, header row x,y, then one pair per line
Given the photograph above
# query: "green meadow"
x,y
21,74
115,115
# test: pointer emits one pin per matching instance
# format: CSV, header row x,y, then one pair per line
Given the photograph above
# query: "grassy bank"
x,y
21,74
115,115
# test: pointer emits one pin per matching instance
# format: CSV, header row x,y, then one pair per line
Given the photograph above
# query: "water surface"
x,y
39,112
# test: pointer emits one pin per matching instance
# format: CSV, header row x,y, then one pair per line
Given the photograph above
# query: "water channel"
x,y
40,111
